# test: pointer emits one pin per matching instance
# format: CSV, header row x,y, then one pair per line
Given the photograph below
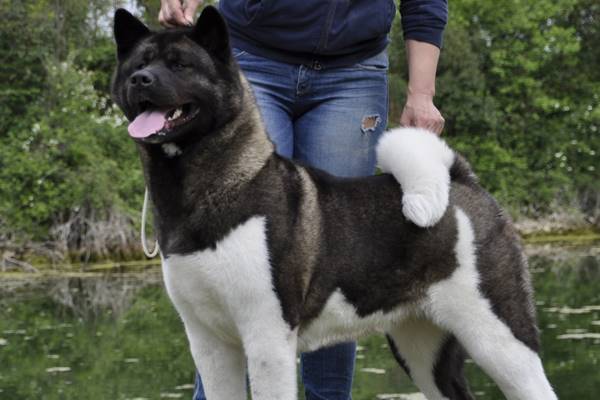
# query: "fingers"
x,y
420,119
439,125
422,113
163,20
171,13
432,121
189,10
405,118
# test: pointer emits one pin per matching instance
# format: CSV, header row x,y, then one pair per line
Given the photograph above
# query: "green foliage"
x,y
532,58
65,157
518,83
99,61
21,49
500,171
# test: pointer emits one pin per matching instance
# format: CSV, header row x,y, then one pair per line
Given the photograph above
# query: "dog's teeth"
x,y
176,114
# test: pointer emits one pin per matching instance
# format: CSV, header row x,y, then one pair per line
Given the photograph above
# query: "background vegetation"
x,y
518,84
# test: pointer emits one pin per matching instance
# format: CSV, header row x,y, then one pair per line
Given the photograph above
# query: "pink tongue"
x,y
147,123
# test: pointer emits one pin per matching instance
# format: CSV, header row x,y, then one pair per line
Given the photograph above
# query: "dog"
x,y
263,257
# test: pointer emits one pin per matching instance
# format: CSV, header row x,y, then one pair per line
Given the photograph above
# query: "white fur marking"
x,y
419,341
225,297
420,161
457,305
171,149
339,322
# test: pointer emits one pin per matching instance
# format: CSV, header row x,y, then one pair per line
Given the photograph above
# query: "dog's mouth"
x,y
161,121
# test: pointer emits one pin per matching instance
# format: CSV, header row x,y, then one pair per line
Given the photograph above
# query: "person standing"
x,y
318,70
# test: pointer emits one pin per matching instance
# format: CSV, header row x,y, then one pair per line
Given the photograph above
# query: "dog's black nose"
x,y
142,78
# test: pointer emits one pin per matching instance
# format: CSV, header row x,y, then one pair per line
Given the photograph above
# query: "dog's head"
x,y
178,83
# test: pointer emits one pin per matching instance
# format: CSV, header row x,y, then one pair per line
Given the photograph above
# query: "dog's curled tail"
x,y
420,161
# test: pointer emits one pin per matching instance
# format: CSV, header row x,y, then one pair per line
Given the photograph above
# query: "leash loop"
x,y
148,253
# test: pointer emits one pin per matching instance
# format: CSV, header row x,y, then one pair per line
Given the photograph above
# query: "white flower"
x,y
58,369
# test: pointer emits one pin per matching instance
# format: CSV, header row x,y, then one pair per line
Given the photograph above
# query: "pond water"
x,y
116,336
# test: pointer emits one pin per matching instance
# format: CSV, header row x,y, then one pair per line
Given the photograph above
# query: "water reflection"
x,y
117,337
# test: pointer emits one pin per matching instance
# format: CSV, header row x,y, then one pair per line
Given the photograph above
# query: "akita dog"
x,y
263,257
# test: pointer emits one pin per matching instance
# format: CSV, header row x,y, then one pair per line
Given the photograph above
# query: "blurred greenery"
x,y
518,84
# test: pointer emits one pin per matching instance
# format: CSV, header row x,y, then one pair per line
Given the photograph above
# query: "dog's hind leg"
x,y
457,305
449,371
510,363
431,357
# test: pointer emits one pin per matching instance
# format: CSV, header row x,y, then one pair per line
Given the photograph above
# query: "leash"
x,y
154,252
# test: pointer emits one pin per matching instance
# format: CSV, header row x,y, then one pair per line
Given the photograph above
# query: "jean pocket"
x,y
378,62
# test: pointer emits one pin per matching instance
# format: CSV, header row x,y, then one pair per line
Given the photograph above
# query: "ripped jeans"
x,y
330,119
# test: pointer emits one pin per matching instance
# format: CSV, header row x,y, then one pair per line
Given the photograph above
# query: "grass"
x,y
573,237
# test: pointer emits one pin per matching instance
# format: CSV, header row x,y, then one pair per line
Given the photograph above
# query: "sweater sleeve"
x,y
424,20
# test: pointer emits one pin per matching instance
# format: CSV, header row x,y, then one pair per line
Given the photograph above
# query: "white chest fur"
x,y
233,317
222,288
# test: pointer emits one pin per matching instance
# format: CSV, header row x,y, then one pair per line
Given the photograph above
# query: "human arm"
x,y
177,12
423,23
419,110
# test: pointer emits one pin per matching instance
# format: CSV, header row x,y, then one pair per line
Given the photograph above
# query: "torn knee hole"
x,y
370,123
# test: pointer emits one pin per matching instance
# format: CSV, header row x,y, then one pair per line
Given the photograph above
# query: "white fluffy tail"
x,y
420,161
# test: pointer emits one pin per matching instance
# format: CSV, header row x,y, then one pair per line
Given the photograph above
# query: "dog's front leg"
x,y
222,366
271,357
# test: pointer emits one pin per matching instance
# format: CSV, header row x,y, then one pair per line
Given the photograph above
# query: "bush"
x,y
73,163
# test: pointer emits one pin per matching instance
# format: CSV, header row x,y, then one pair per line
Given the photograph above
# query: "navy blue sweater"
x,y
328,33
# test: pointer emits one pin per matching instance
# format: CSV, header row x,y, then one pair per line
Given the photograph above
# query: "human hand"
x,y
177,12
420,112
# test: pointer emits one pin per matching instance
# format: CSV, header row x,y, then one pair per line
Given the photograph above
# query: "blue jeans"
x,y
330,119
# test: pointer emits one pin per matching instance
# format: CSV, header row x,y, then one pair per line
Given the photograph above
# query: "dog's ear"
x,y
128,31
211,33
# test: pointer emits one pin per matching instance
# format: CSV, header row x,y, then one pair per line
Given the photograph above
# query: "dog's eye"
x,y
179,66
140,66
